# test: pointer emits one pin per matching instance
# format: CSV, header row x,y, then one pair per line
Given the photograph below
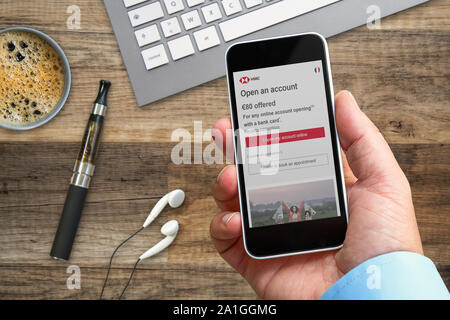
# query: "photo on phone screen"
x,y
291,186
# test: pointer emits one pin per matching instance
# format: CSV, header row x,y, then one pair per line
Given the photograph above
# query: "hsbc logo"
x,y
244,80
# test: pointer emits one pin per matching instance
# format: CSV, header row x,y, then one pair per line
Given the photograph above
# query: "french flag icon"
x,y
317,69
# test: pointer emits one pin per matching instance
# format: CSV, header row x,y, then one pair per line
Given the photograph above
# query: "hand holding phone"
x,y
381,215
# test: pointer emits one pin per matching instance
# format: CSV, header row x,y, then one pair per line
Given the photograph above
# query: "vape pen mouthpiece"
x,y
102,92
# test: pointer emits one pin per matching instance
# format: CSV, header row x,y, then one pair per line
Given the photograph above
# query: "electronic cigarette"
x,y
81,178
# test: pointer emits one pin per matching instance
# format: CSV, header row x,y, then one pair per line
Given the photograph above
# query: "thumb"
x,y
368,154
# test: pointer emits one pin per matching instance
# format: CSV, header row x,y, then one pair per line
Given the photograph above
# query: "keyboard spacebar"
x,y
268,16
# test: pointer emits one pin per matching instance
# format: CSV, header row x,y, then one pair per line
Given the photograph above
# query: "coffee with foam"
x,y
31,78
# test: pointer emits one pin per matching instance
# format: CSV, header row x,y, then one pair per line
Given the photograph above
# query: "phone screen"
x,y
285,144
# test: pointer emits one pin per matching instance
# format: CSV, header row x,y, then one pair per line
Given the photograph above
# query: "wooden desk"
x,y
400,75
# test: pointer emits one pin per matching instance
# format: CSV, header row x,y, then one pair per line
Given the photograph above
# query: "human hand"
x,y
381,215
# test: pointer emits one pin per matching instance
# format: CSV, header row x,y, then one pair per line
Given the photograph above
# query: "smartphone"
x,y
290,178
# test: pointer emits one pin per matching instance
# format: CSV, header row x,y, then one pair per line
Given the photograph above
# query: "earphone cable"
x,y
111,259
129,279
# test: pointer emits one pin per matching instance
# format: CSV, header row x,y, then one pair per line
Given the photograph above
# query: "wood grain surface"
x,y
399,74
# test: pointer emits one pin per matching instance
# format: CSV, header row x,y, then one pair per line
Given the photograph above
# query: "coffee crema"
x,y
31,78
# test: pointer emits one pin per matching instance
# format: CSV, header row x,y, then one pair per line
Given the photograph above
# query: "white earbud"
x,y
170,230
174,199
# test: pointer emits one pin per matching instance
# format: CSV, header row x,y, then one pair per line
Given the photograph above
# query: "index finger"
x,y
220,130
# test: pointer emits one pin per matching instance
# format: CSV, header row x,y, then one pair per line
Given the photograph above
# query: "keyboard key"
x,y
155,57
252,3
231,6
268,16
170,27
192,3
191,20
207,38
146,14
147,35
181,47
130,3
211,12
174,5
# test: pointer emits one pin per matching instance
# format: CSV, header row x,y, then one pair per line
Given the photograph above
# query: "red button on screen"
x,y
284,137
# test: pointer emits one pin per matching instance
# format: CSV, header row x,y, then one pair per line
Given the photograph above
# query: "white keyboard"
x,y
170,30
169,46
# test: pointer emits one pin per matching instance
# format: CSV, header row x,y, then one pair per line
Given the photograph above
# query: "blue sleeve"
x,y
392,276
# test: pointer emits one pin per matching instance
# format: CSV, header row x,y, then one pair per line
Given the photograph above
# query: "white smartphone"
x,y
290,177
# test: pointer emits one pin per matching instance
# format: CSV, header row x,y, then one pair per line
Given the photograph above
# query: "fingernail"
x,y
353,99
227,218
220,173
349,93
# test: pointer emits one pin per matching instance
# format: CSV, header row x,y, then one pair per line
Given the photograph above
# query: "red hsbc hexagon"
x,y
244,80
